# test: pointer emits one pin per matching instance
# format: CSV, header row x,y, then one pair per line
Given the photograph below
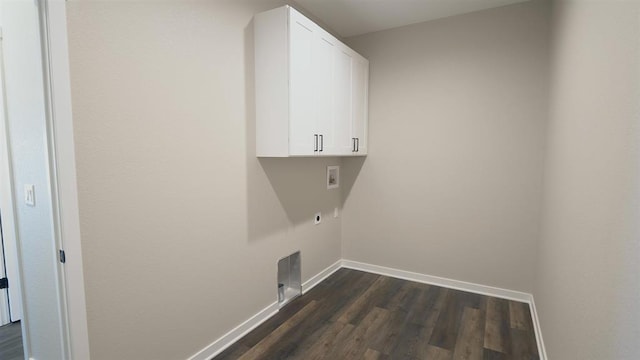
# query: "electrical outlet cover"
x,y
30,195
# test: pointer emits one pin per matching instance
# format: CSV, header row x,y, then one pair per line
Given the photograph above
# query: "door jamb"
x,y
7,204
63,171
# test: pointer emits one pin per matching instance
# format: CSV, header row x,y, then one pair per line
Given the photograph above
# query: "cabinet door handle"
x,y
316,142
357,144
353,144
321,142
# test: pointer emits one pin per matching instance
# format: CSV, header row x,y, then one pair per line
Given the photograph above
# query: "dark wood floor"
x,y
358,315
11,342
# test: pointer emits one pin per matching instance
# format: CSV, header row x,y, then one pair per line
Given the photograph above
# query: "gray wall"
x,y
588,274
457,111
179,213
181,225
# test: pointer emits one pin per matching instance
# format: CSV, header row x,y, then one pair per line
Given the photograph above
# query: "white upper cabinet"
x,y
302,92
311,89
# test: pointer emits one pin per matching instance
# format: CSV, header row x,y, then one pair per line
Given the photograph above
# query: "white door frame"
x,y
7,205
53,24
4,293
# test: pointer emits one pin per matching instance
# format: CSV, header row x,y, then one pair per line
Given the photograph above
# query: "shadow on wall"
x,y
349,172
300,185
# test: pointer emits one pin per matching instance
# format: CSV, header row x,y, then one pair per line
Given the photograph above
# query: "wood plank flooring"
x,y
11,342
358,315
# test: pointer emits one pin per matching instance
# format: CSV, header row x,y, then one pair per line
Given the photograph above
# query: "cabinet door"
x,y
302,107
343,98
360,104
323,69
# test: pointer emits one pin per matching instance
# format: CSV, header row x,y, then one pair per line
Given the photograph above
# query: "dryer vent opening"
x,y
289,278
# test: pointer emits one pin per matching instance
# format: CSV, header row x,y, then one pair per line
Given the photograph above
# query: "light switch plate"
x,y
317,218
30,195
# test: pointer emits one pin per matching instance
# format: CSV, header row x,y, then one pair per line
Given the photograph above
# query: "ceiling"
x,y
357,17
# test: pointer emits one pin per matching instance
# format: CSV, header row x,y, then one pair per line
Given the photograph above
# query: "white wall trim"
x,y
64,177
458,285
7,201
236,333
542,351
318,278
439,281
263,315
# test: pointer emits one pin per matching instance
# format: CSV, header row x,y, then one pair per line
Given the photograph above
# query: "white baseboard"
x,y
236,334
241,330
439,281
542,351
458,285
263,315
318,278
